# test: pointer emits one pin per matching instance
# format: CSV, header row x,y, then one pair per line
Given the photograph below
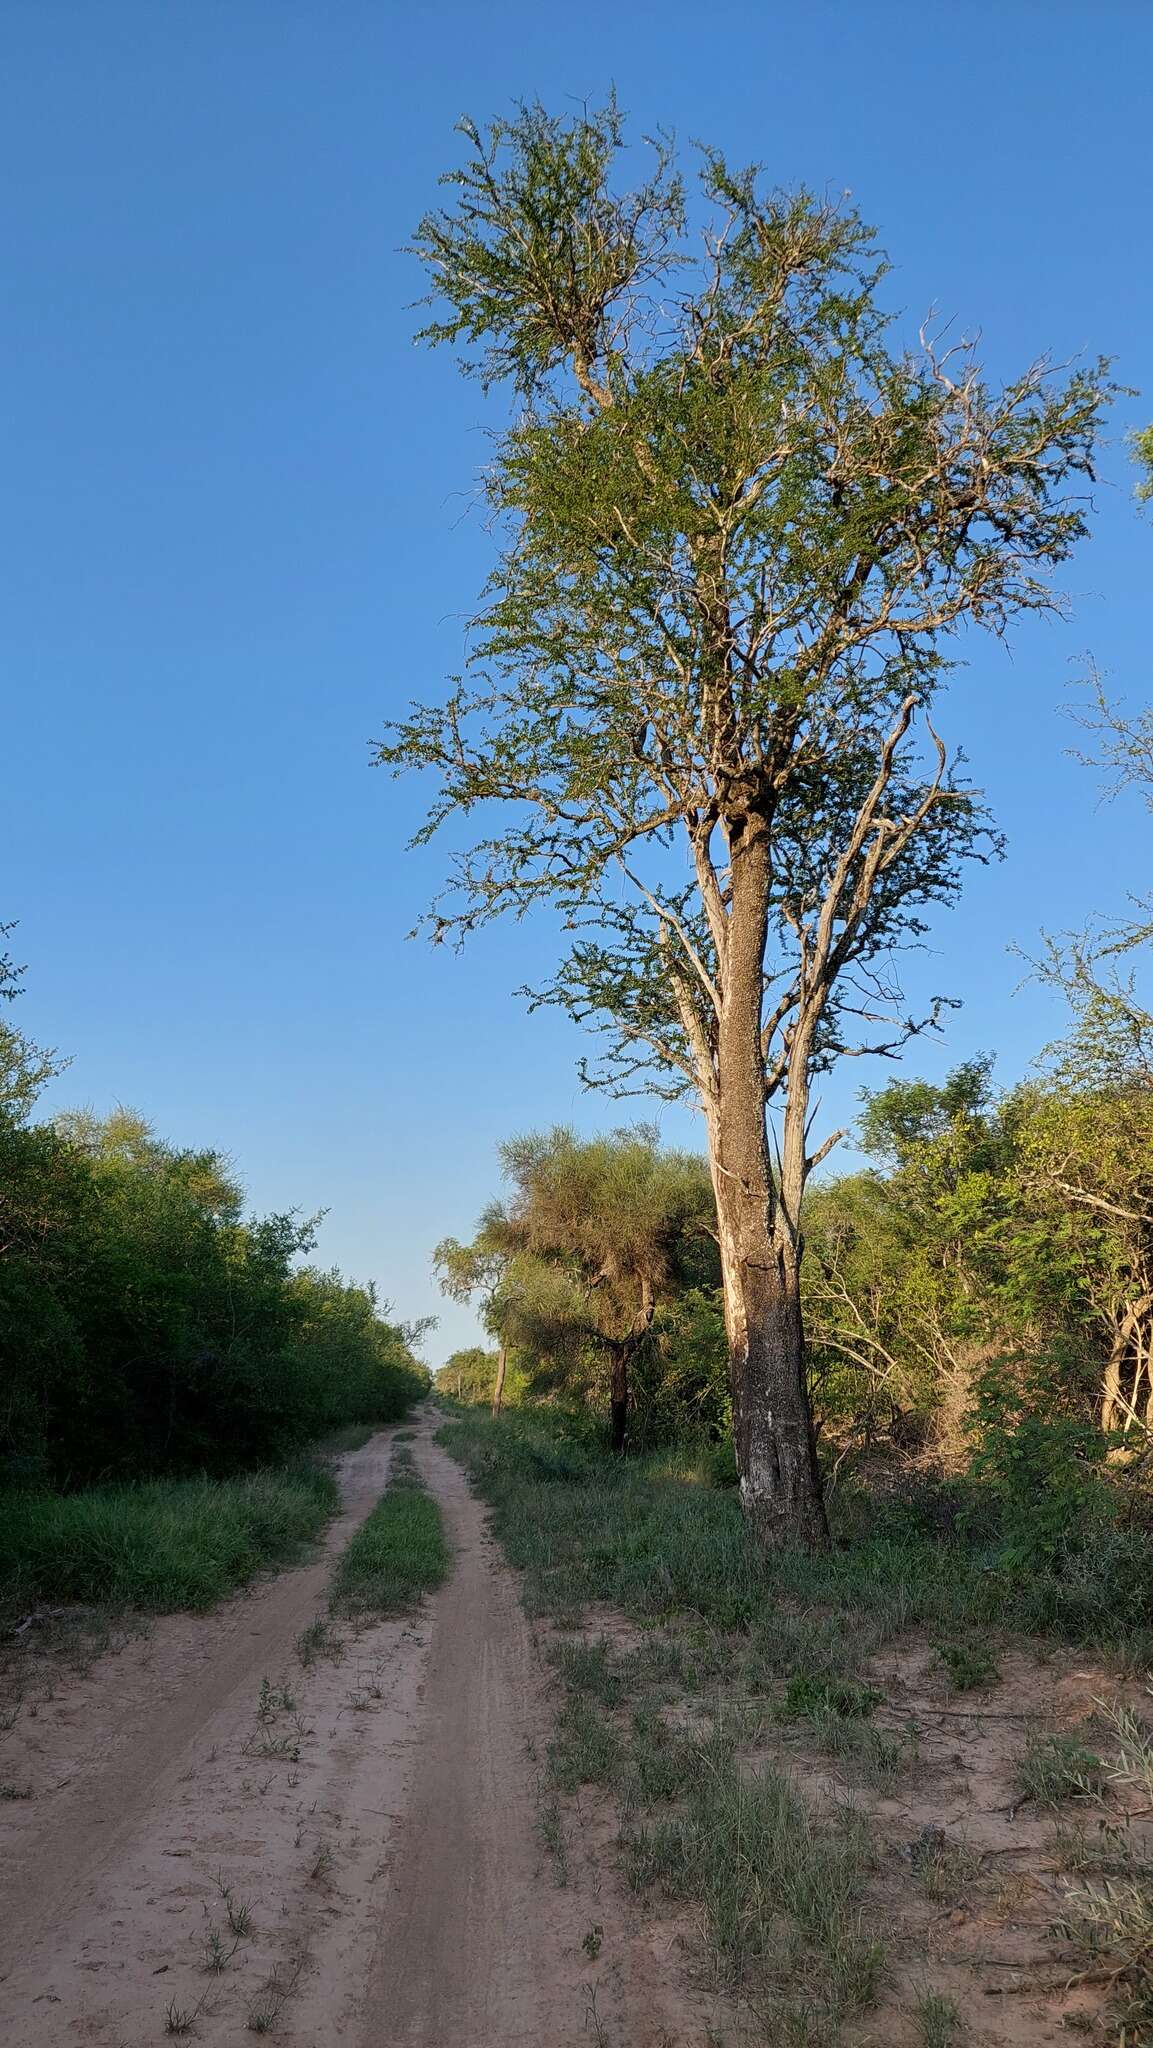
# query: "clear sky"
x,y
238,531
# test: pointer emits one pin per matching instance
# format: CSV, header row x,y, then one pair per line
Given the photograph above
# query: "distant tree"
x,y
744,534
579,1256
467,1375
25,1068
476,1273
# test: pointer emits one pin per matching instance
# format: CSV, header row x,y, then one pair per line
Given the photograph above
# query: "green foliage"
x,y
146,1327
397,1555
970,1665
161,1545
590,1528
468,1375
807,1694
592,1266
1059,1767
1035,1467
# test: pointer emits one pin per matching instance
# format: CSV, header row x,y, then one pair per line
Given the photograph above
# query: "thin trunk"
x,y
1110,1393
619,1398
780,1478
498,1389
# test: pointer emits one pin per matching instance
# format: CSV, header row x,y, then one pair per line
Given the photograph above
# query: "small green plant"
x,y
218,1953
969,1666
809,1695
323,1862
592,1941
278,1748
939,2019
11,1791
181,2019
585,1749
318,1640
1055,1768
273,1700
238,1911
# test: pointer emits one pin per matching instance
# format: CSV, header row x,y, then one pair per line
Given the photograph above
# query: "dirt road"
x,y
222,1841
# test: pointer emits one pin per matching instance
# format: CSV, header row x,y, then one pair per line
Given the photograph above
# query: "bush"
x,y
160,1546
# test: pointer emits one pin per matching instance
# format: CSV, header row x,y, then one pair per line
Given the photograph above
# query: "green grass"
x,y
775,1881
162,1545
587,1527
1059,1767
397,1555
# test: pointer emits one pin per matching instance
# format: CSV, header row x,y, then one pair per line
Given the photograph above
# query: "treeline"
x,y
978,1298
995,1263
147,1327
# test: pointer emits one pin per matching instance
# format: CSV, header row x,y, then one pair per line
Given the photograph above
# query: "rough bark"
x,y
780,1479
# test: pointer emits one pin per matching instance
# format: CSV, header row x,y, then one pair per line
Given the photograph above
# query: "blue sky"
x,y
237,532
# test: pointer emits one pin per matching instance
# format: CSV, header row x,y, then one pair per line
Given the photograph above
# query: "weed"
x,y
968,1665
1111,1851
750,1850
238,1910
592,1942
1059,1767
594,2024
181,2019
659,1765
273,1747
318,1640
323,1863
876,1757
939,2019
1133,1767
820,1697
10,1791
217,1952
585,1749
587,1667
1114,1921
274,1699
945,1869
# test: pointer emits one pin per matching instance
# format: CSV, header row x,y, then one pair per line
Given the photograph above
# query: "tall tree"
x,y
743,532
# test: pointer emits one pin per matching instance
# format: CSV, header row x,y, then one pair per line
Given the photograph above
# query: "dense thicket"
x,y
979,1299
146,1326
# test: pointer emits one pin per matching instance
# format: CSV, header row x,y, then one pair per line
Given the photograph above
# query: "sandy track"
x,y
379,1827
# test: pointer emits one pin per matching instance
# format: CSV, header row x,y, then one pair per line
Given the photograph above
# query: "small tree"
x,y
743,533
574,1264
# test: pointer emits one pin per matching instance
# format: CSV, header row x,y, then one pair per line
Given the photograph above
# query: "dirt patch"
x,y
220,1839
970,1881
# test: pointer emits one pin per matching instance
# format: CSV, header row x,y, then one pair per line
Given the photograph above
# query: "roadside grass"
x,y
699,1722
397,1555
161,1545
655,1545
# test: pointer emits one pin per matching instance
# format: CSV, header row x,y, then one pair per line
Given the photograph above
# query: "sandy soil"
x,y
358,1839
369,1823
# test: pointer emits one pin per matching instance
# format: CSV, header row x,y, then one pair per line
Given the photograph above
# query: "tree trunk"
x,y
780,1480
619,1398
498,1389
